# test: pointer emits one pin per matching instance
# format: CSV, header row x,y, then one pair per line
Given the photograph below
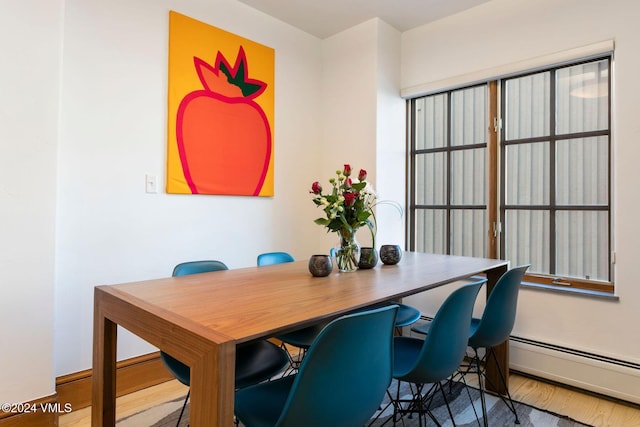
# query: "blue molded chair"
x,y
493,328
301,338
437,357
270,258
341,380
255,361
407,315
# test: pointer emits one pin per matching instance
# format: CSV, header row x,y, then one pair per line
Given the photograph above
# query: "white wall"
x,y
349,106
101,68
110,231
30,34
113,132
390,139
335,100
508,31
364,116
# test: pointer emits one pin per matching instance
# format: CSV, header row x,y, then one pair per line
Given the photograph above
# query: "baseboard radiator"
x,y
603,375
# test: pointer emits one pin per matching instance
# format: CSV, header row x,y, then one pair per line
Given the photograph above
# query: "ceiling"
x,y
324,18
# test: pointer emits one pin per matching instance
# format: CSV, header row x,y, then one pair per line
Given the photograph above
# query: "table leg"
x,y
212,387
103,397
501,351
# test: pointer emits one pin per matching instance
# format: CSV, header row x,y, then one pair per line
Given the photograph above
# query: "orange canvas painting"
x,y
220,111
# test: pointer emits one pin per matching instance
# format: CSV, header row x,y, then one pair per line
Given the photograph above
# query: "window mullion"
x,y
492,167
448,175
552,173
502,190
412,184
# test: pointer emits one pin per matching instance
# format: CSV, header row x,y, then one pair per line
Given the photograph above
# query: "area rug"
x,y
464,411
166,414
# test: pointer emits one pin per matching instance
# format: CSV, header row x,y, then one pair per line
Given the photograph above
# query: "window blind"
x,y
507,70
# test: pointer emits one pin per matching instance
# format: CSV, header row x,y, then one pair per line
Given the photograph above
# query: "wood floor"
x,y
584,407
578,405
129,404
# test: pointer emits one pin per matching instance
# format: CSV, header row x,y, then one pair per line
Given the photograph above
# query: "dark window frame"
x,y
447,149
495,201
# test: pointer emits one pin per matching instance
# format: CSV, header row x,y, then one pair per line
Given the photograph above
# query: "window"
x,y
449,209
532,185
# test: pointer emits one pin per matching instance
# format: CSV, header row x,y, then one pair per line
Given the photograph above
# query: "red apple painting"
x,y
222,124
224,140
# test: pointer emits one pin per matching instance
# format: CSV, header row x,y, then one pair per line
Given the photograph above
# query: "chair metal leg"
x,y
466,387
294,361
419,404
184,405
381,409
481,388
446,402
395,403
425,407
510,403
482,379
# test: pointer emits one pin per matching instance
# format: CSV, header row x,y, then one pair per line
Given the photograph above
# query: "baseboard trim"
x,y
132,375
602,375
39,413
585,354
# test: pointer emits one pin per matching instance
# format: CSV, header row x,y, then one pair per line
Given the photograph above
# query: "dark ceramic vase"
x,y
320,265
390,254
368,258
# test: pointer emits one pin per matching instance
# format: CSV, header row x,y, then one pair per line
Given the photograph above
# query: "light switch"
x,y
151,183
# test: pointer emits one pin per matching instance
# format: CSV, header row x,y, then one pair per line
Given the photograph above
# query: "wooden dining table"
x,y
200,318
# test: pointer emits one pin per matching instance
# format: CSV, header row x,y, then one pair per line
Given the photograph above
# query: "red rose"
x,y
362,175
349,199
348,183
316,188
347,170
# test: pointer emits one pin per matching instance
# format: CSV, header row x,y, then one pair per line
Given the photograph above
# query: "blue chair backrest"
x,y
196,267
345,373
445,345
499,314
270,258
177,368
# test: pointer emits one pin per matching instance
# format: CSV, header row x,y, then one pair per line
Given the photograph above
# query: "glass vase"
x,y
347,252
